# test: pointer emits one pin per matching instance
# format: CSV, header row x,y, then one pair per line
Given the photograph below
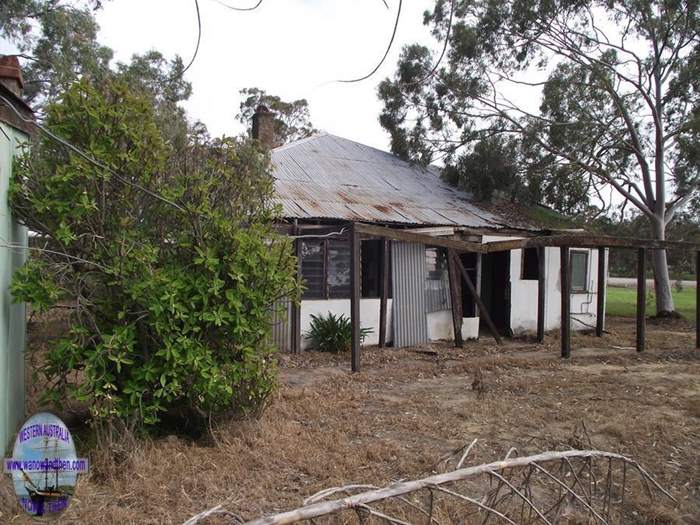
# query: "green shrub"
x,y
167,257
331,333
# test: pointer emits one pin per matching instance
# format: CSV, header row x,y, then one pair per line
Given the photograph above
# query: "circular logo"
x,y
44,466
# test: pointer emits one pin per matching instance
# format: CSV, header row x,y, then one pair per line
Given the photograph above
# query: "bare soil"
x,y
407,411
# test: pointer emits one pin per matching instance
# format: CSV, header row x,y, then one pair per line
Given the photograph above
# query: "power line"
x,y
239,8
199,38
391,42
85,156
442,55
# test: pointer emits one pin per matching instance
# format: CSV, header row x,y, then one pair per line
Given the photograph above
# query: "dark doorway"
x,y
470,262
495,290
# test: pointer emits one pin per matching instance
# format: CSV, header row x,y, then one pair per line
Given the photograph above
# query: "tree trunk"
x,y
662,281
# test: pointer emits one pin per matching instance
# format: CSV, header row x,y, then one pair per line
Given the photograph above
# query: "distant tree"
x,y
59,46
490,170
292,119
620,108
58,41
152,75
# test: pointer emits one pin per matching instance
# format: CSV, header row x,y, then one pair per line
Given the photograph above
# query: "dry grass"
x,y
404,413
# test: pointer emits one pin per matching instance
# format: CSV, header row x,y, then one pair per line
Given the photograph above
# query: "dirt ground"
x,y
405,411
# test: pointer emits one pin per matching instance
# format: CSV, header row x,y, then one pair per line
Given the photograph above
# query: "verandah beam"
x,y
564,264
584,241
408,236
355,297
641,298
455,298
472,289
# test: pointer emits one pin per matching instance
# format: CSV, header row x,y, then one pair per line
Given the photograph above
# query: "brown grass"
x,y
404,413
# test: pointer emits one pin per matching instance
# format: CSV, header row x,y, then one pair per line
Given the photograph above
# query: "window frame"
x,y
325,292
587,255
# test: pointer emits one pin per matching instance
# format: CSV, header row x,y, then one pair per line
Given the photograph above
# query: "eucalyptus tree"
x,y
617,82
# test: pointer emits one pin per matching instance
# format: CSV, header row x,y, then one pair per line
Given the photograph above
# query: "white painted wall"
x,y
523,315
369,316
439,323
440,326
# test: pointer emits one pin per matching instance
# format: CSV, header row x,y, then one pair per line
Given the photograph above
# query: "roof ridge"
x,y
392,156
301,141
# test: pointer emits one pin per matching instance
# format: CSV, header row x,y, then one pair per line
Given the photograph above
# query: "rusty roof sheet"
x,y
326,176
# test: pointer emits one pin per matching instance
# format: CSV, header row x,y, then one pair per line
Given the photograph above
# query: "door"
x,y
495,290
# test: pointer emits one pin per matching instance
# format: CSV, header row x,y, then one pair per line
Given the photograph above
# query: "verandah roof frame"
x,y
563,241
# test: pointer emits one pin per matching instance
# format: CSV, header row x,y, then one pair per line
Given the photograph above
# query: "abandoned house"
x,y
325,183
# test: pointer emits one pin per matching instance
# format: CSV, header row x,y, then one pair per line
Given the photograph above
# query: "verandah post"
x,y
384,291
455,297
641,298
565,302
355,297
697,300
295,313
600,299
540,294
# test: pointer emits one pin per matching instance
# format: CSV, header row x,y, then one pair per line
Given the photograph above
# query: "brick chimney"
x,y
11,74
264,126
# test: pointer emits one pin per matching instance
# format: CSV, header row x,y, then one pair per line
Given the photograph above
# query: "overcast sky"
x,y
290,48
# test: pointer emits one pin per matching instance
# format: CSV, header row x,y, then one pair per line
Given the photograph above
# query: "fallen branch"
x,y
362,500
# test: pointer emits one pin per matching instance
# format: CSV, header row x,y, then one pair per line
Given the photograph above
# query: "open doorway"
x,y
495,290
470,261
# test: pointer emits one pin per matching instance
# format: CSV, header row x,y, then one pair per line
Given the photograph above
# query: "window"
x,y
313,269
325,269
437,282
579,271
531,264
338,269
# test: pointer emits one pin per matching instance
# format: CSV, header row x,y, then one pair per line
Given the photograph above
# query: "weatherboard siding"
x,y
12,316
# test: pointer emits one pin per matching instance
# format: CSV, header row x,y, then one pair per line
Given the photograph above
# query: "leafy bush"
x,y
167,258
331,333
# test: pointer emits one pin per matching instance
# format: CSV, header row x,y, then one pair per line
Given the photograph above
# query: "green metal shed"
x,y
14,136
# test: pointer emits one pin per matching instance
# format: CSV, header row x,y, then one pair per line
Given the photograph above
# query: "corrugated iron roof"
x,y
325,176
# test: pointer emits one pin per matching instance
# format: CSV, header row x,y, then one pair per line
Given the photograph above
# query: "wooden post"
x,y
482,308
600,299
641,298
455,297
355,297
383,291
565,302
295,321
541,288
697,300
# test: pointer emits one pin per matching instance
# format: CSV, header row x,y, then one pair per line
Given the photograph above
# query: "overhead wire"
x,y
86,156
386,53
442,54
199,40
239,8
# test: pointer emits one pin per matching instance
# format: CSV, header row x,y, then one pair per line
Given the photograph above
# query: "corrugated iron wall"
x,y
281,327
410,322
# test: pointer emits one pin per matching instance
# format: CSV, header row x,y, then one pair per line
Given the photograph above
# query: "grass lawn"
x,y
622,302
